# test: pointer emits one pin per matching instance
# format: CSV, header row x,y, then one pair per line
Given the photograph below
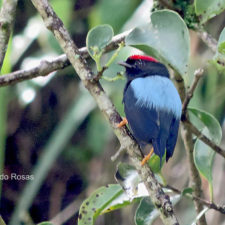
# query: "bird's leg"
x,y
122,123
147,157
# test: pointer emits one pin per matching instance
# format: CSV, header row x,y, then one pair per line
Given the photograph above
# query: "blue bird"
x,y
152,105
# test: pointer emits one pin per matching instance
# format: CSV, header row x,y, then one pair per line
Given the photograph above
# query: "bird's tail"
x,y
159,148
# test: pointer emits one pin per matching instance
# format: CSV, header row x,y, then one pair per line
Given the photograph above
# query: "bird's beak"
x,y
126,65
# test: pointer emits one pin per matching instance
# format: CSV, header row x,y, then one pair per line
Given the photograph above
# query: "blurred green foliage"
x,y
31,128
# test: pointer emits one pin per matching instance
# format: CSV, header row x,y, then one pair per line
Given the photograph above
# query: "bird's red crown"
x,y
143,57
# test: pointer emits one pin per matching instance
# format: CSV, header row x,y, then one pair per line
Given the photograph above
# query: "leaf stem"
x,y
97,59
162,178
119,76
211,191
111,60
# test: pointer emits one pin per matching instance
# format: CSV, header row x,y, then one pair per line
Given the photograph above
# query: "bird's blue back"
x,y
153,109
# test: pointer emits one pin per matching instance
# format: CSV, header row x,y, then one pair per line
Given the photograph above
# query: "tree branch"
x,y
7,16
203,138
155,191
46,67
198,74
207,39
195,180
210,205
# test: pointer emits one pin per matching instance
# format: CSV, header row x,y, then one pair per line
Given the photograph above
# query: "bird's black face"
x,y
142,66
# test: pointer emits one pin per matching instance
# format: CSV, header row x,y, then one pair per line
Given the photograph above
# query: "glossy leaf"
x,y
128,178
221,42
46,223
220,53
92,207
154,163
187,190
221,38
206,9
203,154
166,36
207,123
113,12
221,48
146,212
119,202
97,39
2,222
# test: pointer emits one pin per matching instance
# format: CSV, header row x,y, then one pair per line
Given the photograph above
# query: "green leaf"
x,y
128,177
144,209
221,38
187,190
166,36
221,48
154,163
207,123
92,207
97,39
146,212
101,13
45,223
2,221
120,201
206,9
203,154
220,53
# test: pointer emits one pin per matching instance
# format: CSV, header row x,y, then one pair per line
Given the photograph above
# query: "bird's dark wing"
x,y
172,139
159,144
142,120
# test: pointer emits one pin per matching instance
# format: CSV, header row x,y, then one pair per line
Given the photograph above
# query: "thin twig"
x,y
197,75
98,76
210,205
7,16
155,191
118,153
205,139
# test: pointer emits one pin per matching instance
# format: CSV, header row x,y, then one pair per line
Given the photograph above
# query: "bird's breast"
x,y
157,92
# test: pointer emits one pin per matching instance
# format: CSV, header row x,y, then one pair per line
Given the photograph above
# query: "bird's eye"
x,y
139,62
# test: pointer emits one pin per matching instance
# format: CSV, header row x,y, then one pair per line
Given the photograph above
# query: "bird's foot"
x,y
122,123
147,157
